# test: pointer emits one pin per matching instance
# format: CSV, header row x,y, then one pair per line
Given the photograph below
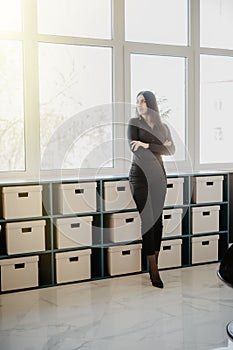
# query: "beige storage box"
x,y
124,227
170,253
73,232
117,195
22,201
124,259
205,219
73,266
174,195
77,197
172,222
205,249
19,273
207,189
25,236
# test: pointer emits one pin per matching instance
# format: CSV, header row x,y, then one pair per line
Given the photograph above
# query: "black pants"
x,y
147,193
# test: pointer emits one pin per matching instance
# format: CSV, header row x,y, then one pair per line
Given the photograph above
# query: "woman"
x,y
149,138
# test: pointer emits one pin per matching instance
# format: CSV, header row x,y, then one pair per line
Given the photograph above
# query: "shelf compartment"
x,y
204,248
70,198
122,227
207,189
174,194
73,232
117,195
21,201
170,253
123,259
172,222
73,266
25,237
205,219
19,273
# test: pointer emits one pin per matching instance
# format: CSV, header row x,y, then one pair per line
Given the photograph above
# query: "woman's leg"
x,y
158,229
151,236
151,247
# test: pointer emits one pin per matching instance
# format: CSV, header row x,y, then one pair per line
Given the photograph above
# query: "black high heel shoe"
x,y
158,284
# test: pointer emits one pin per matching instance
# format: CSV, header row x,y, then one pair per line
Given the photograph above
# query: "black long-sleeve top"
x,y
139,130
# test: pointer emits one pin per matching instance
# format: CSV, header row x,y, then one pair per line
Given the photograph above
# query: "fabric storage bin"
x,y
25,236
205,219
205,249
73,266
76,197
21,201
174,194
19,273
73,232
170,253
124,259
117,195
172,222
124,227
207,189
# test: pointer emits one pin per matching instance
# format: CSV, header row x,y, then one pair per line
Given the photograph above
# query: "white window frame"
x,y
121,88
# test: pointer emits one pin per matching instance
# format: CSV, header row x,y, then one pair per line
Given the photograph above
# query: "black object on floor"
x,y
225,273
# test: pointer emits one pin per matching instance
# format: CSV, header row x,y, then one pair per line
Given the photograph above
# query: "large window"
x,y
10,15
216,109
12,142
88,19
216,83
12,156
71,69
165,76
154,21
216,23
75,99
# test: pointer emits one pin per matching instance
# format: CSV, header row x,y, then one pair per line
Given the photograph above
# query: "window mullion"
x,y
194,84
31,93
118,33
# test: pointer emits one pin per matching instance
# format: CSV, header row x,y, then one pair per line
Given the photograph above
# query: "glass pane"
x,y
89,18
165,76
75,106
216,20
216,109
153,21
10,15
11,107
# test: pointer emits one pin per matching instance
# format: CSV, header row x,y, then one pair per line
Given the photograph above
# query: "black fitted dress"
x,y
148,180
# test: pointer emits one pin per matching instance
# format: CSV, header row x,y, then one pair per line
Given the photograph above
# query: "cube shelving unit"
x,y
186,200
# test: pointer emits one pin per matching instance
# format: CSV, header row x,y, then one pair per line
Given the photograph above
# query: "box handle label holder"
x,y
19,266
26,230
23,194
126,252
79,191
168,216
77,225
129,220
120,188
205,243
167,247
74,259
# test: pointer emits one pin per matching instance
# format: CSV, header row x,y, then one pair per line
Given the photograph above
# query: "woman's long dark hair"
x,y
153,112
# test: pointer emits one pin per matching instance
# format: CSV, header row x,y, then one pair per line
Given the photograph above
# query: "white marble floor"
x,y
191,312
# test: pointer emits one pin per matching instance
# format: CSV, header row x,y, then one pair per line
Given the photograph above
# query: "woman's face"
x,y
141,105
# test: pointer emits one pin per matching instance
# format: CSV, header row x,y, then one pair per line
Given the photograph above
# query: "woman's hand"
x,y
136,144
167,143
